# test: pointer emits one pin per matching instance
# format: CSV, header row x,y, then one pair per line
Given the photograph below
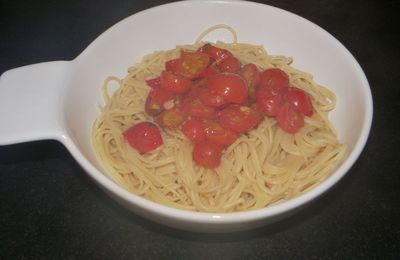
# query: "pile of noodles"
x,y
263,166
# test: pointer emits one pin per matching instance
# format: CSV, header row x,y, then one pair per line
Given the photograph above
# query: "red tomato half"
x,y
231,87
211,98
275,79
230,64
210,71
215,53
290,120
171,118
156,99
207,154
194,107
154,83
175,83
143,136
172,65
192,64
239,118
194,130
217,134
300,101
267,102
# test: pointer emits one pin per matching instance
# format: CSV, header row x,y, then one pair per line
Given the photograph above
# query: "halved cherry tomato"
x,y
194,107
210,71
217,134
290,120
175,83
215,53
192,64
230,64
239,118
252,76
300,101
211,98
154,83
268,102
276,79
156,98
172,65
207,154
194,130
144,137
231,87
171,118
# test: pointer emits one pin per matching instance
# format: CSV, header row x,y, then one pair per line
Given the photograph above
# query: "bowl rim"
x,y
242,216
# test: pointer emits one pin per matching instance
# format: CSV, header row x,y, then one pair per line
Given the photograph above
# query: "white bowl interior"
x,y
282,33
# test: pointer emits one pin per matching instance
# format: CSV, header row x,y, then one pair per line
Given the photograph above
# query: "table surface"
x,y
50,209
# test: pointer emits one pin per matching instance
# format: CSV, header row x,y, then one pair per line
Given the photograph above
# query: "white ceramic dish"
x,y
57,100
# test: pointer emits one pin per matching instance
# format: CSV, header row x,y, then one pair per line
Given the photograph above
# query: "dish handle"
x,y
31,102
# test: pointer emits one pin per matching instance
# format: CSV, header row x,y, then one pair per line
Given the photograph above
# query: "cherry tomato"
x,y
210,71
268,102
290,120
207,154
300,101
252,76
276,79
175,83
211,98
231,87
192,104
171,118
215,53
144,137
195,108
154,83
172,65
194,130
217,134
156,99
239,118
230,64
192,64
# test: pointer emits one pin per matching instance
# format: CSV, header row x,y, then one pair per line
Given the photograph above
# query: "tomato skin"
x,y
175,83
194,130
192,64
215,53
207,154
229,64
210,71
144,137
252,76
275,79
216,133
300,101
154,83
238,118
231,87
211,98
268,102
171,118
172,65
290,120
156,99
195,108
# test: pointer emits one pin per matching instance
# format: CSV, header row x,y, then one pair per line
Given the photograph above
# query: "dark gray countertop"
x,y
50,209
